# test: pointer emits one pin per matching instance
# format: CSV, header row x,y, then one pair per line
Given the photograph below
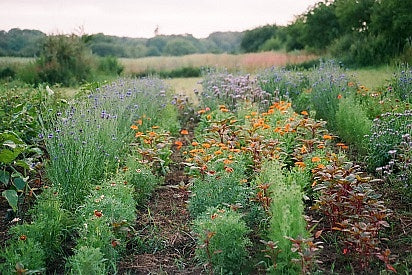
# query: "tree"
x,y
321,26
253,39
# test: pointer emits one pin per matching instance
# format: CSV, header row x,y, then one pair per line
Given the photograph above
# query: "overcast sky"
x,y
139,18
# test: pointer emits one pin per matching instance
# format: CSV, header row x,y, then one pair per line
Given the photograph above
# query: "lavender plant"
x,y
329,84
284,84
86,140
220,87
402,83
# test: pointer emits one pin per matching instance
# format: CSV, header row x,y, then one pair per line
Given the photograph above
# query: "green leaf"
x,y
36,150
11,197
7,156
23,164
8,135
19,183
4,177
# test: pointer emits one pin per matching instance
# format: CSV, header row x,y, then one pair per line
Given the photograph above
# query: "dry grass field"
x,y
249,62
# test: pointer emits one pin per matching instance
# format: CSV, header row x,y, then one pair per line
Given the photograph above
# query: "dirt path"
x,y
163,242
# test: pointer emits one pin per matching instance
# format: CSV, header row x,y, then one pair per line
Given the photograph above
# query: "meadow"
x,y
252,168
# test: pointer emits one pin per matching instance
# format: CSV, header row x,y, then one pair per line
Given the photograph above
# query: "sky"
x,y
139,18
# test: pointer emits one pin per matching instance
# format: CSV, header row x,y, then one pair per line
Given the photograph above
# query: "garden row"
x,y
95,177
256,166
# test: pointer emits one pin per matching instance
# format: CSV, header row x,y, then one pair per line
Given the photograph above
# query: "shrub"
x,y
50,228
217,190
329,84
64,59
23,256
87,260
386,134
110,65
222,243
353,124
402,83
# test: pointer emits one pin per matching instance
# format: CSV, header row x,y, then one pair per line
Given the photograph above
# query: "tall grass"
x,y
247,62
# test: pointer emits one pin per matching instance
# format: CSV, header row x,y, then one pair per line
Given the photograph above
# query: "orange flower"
x,y
229,169
209,117
139,134
342,145
206,145
218,152
155,127
134,127
320,166
305,113
184,132
179,144
227,161
300,164
23,237
140,122
201,112
315,159
339,96
224,110
327,137
194,143
152,134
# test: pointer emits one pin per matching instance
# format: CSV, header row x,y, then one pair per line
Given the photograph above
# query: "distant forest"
x,y
28,43
357,32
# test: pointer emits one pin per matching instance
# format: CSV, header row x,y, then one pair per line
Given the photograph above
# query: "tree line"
x,y
357,32
28,43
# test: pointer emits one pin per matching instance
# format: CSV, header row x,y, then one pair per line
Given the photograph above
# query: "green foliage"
x,y
49,230
179,47
23,256
110,65
17,42
352,123
386,134
64,59
142,179
401,83
321,26
222,243
329,85
87,260
219,189
286,210
253,40
86,140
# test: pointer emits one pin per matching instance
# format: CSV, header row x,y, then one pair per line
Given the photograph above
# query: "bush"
x,y
24,256
352,123
87,260
64,59
110,65
218,190
222,243
329,84
386,134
